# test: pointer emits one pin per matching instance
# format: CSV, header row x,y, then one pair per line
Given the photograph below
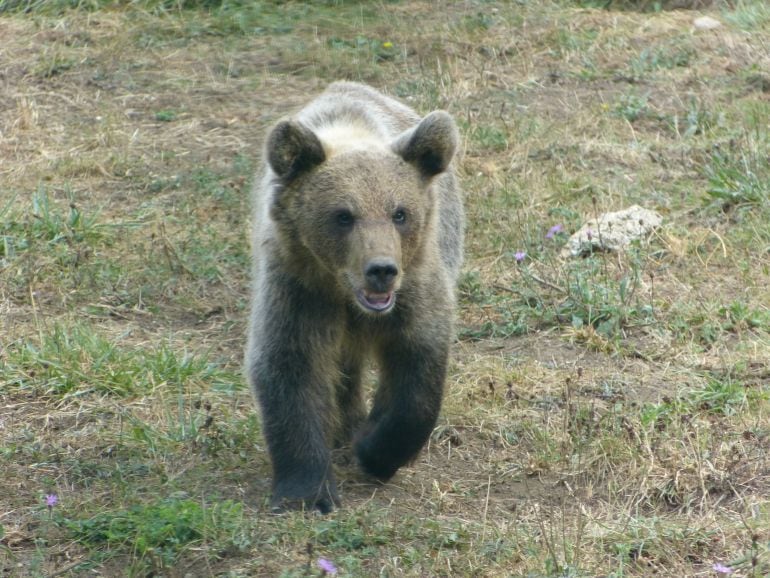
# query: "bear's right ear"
x,y
431,145
292,149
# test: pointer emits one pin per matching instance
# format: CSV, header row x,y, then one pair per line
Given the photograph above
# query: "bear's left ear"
x,y
292,149
431,145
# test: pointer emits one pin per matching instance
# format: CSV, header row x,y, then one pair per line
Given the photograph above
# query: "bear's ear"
x,y
431,145
292,149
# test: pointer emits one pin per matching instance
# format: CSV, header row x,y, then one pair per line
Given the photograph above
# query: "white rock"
x,y
706,23
612,231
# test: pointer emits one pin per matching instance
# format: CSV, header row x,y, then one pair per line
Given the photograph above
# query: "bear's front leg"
x,y
302,469
290,368
406,406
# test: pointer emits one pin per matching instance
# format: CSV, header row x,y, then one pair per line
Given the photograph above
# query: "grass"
x,y
605,416
77,358
156,534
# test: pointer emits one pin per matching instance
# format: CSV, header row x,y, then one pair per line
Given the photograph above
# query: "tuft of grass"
x,y
739,179
156,533
718,396
77,360
489,138
748,14
166,115
46,223
722,396
697,120
674,54
633,107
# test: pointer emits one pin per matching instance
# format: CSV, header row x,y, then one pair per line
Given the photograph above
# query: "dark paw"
x,y
305,495
381,467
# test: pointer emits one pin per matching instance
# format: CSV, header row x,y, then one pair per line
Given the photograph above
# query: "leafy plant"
x,y
604,302
632,107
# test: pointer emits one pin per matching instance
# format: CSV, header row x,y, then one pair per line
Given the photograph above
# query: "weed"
x,y
738,316
592,292
632,107
664,57
697,120
738,178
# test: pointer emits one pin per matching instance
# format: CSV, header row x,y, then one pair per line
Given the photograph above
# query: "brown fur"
x,y
357,246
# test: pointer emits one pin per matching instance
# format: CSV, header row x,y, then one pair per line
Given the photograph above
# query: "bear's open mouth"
x,y
376,302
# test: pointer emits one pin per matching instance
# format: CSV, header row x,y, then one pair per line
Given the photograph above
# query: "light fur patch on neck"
x,y
340,138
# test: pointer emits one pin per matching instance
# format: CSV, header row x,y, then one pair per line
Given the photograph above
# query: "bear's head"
x,y
362,210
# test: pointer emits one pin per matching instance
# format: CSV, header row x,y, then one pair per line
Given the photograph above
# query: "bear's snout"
x,y
381,278
381,275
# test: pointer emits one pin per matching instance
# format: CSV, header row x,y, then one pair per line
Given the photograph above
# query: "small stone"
x,y
706,23
612,231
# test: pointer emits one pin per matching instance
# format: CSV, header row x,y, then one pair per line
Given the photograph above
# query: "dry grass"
x,y
567,447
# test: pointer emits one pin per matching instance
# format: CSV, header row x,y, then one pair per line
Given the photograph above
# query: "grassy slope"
x,y
606,416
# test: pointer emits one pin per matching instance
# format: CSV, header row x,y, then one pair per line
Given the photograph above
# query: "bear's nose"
x,y
380,274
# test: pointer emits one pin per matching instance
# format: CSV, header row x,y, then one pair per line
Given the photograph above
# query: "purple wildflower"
x,y
720,568
327,566
51,500
553,230
589,234
520,256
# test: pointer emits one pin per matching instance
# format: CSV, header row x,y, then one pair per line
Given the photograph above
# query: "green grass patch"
x,y
739,179
722,396
748,14
633,106
79,359
48,224
154,534
673,54
596,292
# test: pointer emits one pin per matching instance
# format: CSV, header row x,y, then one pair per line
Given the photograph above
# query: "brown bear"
x,y
357,243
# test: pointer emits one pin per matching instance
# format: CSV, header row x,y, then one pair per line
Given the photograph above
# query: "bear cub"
x,y
357,245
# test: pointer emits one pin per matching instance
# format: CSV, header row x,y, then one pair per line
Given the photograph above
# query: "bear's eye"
x,y
399,216
344,218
